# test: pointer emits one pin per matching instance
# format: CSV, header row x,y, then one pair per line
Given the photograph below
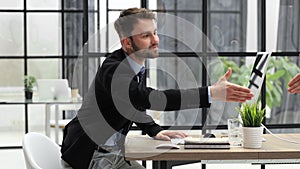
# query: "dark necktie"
x,y
141,75
140,79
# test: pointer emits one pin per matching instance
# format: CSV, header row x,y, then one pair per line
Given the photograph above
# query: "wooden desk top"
x,y
143,148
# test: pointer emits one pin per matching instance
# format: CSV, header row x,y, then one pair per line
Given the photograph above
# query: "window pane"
x,y
94,32
177,30
113,39
36,118
272,26
153,5
166,32
12,93
12,125
178,5
45,4
96,24
251,26
124,4
283,107
73,33
45,68
11,4
233,31
11,83
190,32
11,34
225,5
102,13
44,34
226,32
282,24
113,16
73,4
189,5
98,42
165,5
11,68
181,33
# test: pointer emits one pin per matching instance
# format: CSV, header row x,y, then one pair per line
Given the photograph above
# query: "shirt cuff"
x,y
209,96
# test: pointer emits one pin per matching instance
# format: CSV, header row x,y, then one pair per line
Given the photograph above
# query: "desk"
x,y
273,151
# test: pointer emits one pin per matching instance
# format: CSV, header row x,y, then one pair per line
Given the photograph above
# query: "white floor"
x,y
14,159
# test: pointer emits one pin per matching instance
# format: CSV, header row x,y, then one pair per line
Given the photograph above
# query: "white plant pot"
x,y
252,137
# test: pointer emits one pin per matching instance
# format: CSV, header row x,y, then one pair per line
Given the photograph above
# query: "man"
x,y
95,138
294,85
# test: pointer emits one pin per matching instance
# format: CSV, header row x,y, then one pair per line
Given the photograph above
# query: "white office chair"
x,y
40,152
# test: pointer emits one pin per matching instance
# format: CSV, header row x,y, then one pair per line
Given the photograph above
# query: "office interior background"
x,y
48,39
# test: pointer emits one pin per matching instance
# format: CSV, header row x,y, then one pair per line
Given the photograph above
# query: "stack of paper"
x,y
206,143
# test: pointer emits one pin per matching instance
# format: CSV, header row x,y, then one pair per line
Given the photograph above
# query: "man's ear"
x,y
126,43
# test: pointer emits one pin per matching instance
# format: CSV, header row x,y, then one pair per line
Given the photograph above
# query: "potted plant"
x,y
252,116
29,82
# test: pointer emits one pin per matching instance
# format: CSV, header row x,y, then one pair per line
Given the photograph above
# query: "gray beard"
x,y
145,53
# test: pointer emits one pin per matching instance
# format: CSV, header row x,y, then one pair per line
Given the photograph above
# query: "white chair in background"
x,y
40,152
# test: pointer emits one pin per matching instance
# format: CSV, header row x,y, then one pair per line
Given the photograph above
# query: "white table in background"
x,y
59,107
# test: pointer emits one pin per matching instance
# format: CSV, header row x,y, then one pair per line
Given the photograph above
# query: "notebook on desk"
x,y
53,90
206,143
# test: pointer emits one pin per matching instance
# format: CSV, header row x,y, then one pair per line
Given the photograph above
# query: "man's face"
x,y
144,39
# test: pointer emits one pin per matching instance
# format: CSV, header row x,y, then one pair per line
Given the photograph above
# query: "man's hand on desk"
x,y
167,135
223,90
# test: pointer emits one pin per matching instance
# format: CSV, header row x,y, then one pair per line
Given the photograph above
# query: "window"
x,y
40,38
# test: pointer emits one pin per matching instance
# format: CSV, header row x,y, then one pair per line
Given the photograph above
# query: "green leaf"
x,y
278,74
29,82
251,114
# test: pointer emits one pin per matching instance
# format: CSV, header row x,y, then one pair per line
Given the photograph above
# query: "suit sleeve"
x,y
168,100
150,128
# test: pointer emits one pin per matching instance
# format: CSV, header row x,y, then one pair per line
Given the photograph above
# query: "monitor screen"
x,y
53,90
258,73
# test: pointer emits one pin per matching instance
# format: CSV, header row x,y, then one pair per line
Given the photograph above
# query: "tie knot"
x,y
141,74
142,71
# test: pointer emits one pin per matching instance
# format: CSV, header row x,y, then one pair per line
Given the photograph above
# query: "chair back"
x,y
40,152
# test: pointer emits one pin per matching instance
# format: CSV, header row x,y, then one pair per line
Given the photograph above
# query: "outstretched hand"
x,y
223,90
294,84
167,135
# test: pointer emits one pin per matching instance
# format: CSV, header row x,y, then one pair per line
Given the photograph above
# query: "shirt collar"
x,y
135,66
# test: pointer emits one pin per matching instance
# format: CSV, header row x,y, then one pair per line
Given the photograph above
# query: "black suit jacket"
x,y
114,101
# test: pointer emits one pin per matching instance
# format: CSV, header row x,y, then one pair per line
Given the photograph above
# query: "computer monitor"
x,y
53,90
258,73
